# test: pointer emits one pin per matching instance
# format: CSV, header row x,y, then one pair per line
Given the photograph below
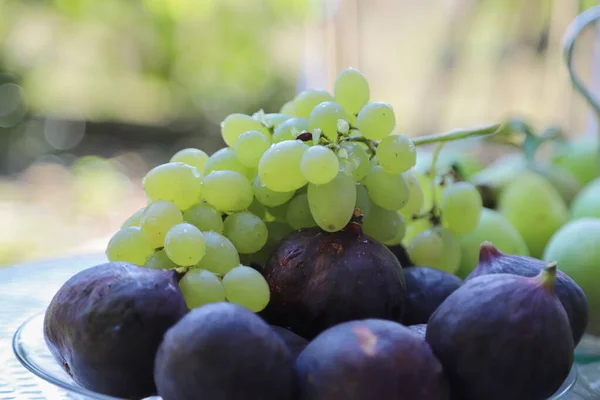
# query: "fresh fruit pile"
x,y
312,258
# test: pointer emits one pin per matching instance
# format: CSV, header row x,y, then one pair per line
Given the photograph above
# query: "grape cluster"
x,y
312,164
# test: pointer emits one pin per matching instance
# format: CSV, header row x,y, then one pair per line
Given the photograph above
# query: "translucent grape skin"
x,y
160,260
319,165
204,217
416,196
226,160
135,219
388,191
376,120
221,255
290,129
426,248
461,207
332,204
236,124
363,202
250,147
308,99
275,119
227,191
396,154
129,245
288,108
351,90
176,182
382,224
279,167
247,287
325,116
157,219
269,198
200,287
185,244
246,231
192,157
359,157
298,213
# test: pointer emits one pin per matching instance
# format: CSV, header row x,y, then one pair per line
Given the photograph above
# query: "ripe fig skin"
x,y
105,324
421,329
572,297
503,337
426,289
320,279
370,359
294,342
222,351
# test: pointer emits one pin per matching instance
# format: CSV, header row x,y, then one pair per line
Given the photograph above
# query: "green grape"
x,y
221,255
415,227
275,119
192,157
204,217
158,218
135,219
426,248
376,120
176,182
247,287
451,253
258,209
288,108
200,287
359,159
325,116
247,232
351,90
226,160
587,202
185,244
389,191
461,207
416,197
298,213
160,260
277,231
332,204
290,129
396,154
319,165
269,198
363,202
400,233
236,124
129,245
227,191
307,100
279,167
250,147
382,224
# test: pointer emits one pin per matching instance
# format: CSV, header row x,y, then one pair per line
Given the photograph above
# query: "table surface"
x,y
26,290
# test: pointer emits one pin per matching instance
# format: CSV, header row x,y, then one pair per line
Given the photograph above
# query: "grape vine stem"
x,y
456,134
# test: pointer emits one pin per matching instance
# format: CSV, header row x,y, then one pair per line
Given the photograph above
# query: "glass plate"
x,y
31,350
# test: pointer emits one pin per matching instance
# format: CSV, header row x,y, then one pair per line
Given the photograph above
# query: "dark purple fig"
x,y
105,324
572,297
222,351
370,359
420,329
503,336
401,254
426,289
319,279
295,343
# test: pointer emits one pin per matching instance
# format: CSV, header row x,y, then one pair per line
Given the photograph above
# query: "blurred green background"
x,y
94,93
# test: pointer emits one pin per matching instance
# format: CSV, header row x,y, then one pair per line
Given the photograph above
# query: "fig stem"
x,y
456,134
547,278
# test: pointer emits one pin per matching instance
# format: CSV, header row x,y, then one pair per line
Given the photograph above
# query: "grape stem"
x,y
456,134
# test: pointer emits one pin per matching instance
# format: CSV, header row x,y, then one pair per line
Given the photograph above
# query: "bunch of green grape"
x,y
323,156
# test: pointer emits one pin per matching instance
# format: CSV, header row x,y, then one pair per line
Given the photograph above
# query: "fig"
x,y
421,329
400,252
503,336
295,343
576,248
223,351
426,289
319,279
572,297
370,359
105,324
